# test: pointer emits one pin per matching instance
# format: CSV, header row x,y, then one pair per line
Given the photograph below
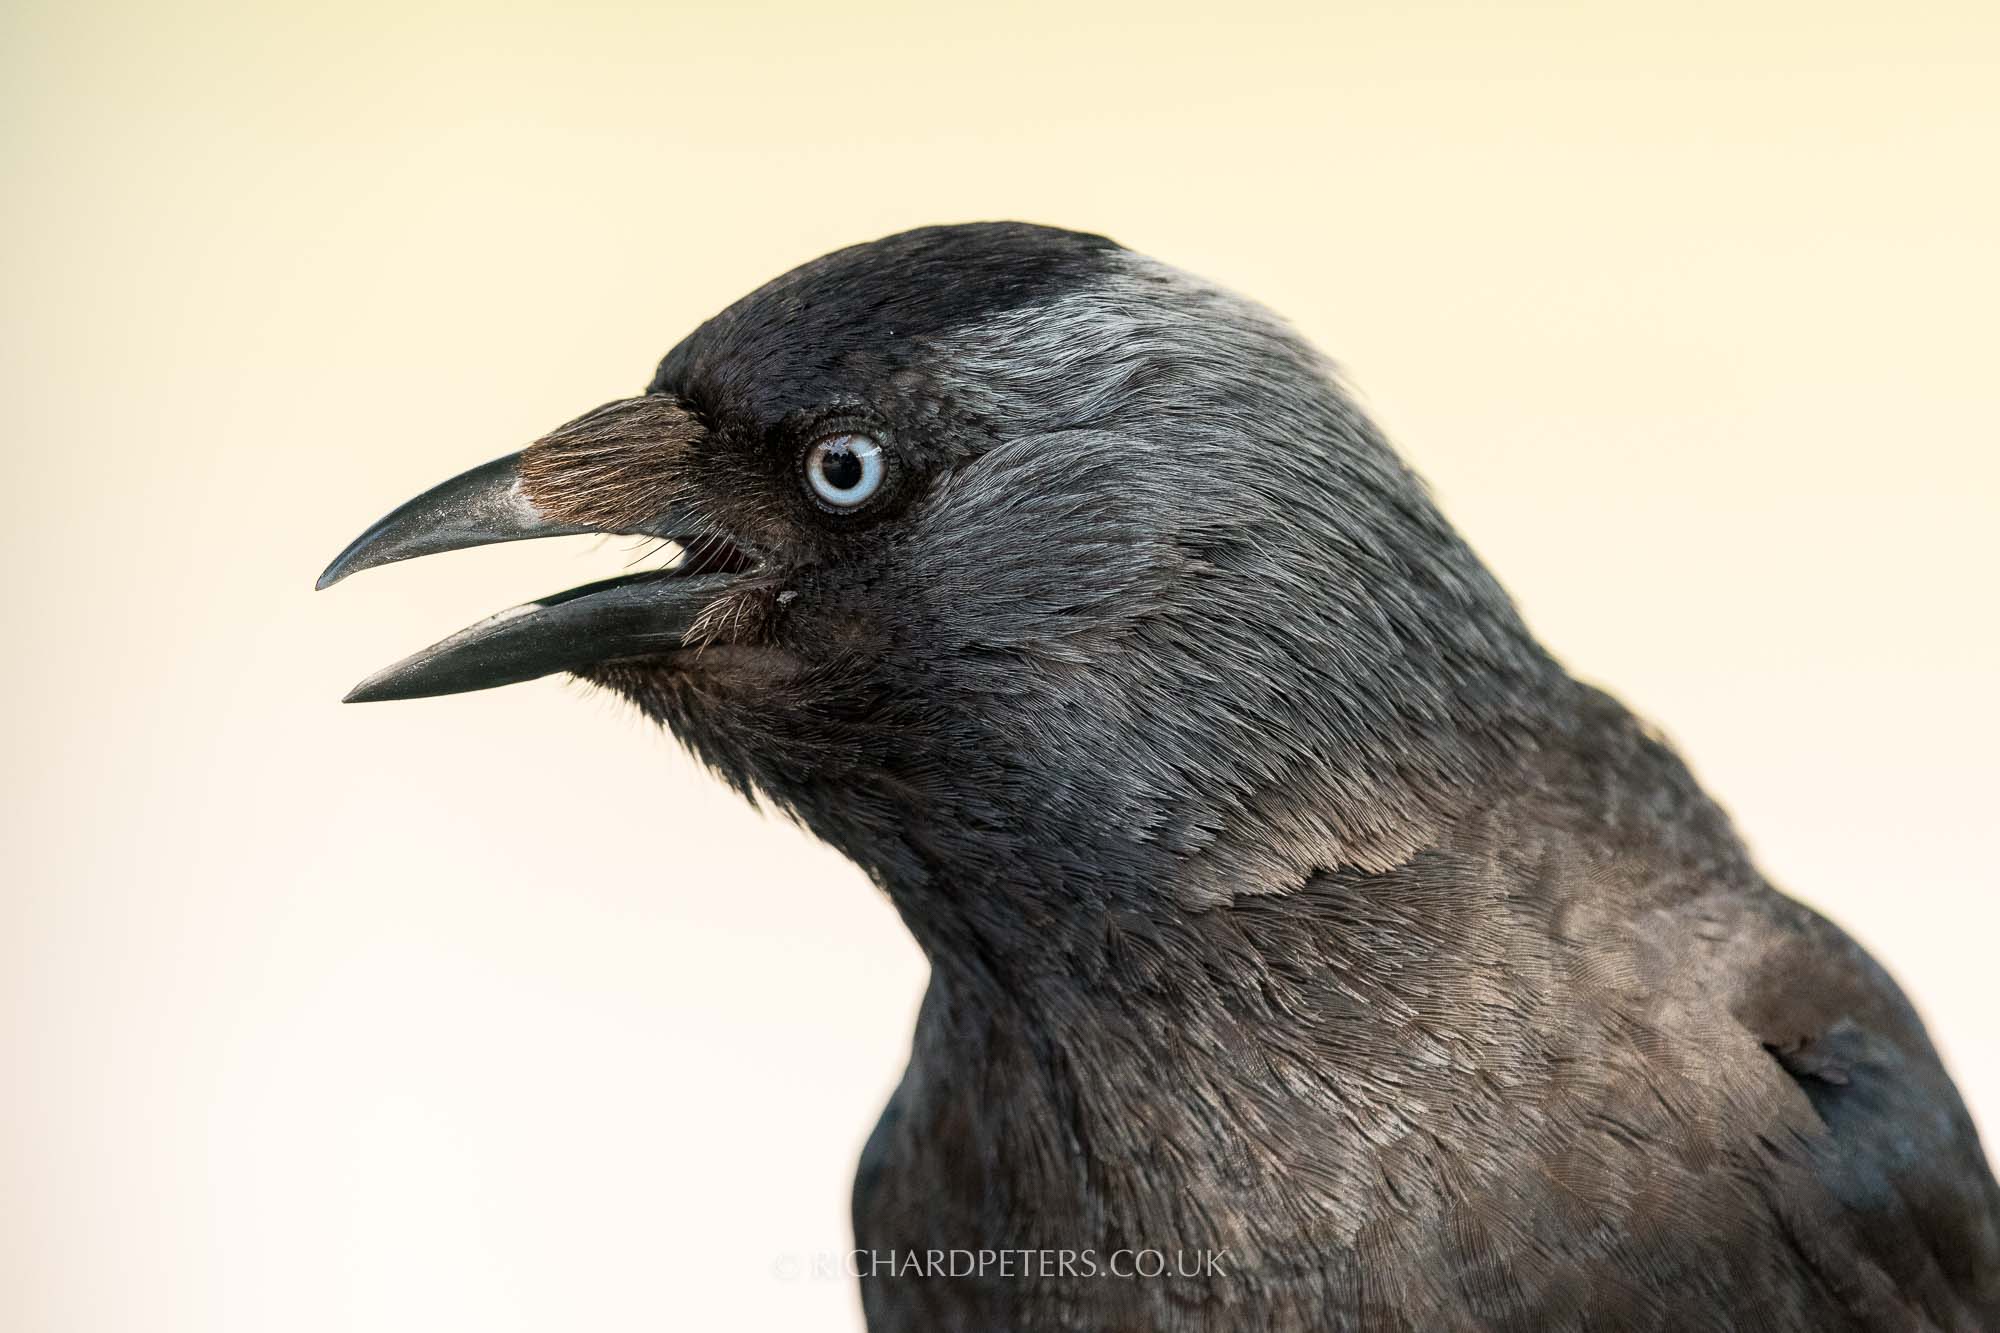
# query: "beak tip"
x,y
404,680
391,682
475,508
361,553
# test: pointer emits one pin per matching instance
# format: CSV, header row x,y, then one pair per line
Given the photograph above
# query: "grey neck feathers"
x,y
1241,647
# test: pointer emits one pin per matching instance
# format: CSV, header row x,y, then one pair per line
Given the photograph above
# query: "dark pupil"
x,y
841,467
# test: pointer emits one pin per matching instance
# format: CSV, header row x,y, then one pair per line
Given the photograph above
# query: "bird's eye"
x,y
844,470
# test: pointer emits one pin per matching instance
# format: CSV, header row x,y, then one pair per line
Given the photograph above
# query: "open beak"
x,y
637,616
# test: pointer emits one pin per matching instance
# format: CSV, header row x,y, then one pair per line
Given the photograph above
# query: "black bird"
x,y
1297,925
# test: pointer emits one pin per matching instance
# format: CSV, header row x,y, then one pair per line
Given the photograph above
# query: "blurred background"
x,y
492,1012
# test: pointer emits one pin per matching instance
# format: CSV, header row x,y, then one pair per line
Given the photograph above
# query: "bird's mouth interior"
x,y
712,553
645,615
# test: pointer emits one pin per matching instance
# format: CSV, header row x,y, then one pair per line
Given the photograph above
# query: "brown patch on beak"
x,y
617,468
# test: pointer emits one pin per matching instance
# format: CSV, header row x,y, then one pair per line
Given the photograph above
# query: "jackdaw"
x,y
1299,930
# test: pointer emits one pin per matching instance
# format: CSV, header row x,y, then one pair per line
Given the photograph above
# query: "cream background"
x,y
493,1013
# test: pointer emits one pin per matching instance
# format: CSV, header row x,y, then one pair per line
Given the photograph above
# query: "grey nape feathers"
x,y
1290,911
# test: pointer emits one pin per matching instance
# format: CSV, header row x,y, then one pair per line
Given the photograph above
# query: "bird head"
x,y
1029,572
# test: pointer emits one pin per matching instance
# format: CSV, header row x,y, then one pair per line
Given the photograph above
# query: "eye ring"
x,y
845,471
